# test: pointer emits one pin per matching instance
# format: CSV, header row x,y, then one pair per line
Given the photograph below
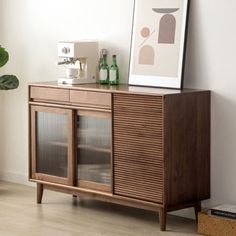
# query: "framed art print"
x,y
158,43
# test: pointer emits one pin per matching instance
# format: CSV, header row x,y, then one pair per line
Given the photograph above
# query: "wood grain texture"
x,y
187,147
160,145
91,98
121,89
67,106
29,138
94,185
138,152
39,193
54,94
162,219
61,215
102,196
71,147
51,178
101,114
70,143
32,143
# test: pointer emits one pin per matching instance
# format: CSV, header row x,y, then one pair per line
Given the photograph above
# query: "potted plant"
x,y
6,81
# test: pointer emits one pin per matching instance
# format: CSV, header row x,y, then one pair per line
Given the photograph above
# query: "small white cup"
x,y
71,72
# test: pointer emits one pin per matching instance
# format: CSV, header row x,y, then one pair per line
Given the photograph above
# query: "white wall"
x,y
30,32
32,29
212,64
1,95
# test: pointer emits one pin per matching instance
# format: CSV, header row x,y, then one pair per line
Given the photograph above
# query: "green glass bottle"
x,y
102,53
114,72
104,71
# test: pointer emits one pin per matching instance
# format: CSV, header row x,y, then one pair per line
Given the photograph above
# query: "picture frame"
x,y
158,44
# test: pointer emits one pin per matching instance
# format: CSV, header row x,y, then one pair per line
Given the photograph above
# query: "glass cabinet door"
x,y
51,147
94,150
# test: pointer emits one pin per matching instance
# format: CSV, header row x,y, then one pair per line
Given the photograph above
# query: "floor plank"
x,y
63,215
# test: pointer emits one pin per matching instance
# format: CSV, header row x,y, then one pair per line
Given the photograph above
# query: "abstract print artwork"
x,y
158,43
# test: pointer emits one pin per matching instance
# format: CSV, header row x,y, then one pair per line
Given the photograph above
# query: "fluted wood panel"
x,y
138,146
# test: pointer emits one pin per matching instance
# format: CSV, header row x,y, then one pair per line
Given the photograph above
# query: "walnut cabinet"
x,y
142,147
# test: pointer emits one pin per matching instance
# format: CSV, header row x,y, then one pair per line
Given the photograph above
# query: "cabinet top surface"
x,y
122,88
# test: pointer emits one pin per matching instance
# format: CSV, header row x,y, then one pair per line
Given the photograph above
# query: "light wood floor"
x,y
61,215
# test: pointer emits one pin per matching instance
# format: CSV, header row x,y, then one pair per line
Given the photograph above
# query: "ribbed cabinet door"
x,y
138,146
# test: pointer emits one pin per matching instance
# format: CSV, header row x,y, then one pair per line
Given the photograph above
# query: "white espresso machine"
x,y
80,59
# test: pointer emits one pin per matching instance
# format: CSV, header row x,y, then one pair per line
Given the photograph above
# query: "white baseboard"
x,y
19,178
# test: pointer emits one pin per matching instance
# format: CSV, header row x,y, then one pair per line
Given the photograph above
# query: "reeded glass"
x,y
51,138
94,149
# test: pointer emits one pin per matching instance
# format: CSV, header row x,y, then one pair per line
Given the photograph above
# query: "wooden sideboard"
x,y
142,147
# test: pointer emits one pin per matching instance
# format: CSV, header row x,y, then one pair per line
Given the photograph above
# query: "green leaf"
x,y
8,82
4,56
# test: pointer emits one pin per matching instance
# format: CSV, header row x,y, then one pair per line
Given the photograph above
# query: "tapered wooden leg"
x,y
162,219
39,193
197,208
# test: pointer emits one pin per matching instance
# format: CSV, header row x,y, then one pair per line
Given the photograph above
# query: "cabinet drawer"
x,y
53,94
89,98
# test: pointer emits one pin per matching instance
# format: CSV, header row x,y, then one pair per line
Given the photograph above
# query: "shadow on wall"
x,y
196,62
202,71
223,161
199,73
